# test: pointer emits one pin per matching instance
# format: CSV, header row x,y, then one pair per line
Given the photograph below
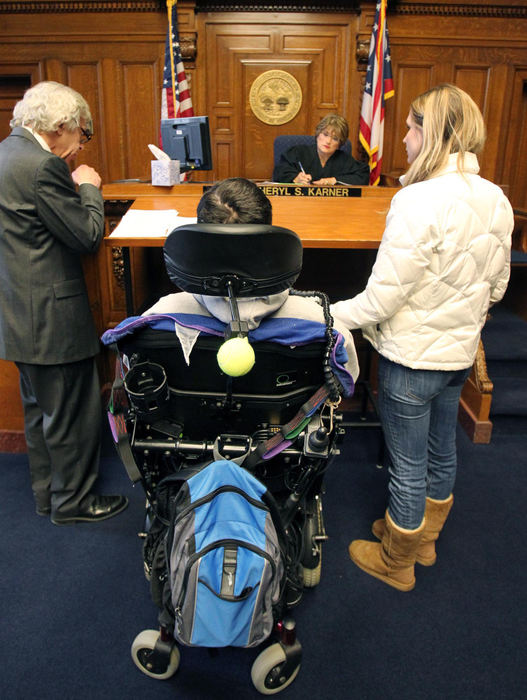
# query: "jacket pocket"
x,y
68,288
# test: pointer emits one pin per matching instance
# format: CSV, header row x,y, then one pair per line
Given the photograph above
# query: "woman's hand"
x,y
302,178
326,181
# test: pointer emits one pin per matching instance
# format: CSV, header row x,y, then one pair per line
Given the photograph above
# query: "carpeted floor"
x,y
73,598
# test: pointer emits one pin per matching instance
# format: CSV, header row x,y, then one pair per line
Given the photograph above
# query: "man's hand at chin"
x,y
84,174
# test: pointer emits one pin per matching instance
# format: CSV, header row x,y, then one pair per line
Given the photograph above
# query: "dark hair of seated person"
x,y
234,201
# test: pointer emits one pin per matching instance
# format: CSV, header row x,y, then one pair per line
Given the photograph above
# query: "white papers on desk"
x,y
151,223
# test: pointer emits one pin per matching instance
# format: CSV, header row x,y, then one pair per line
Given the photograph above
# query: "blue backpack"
x,y
225,563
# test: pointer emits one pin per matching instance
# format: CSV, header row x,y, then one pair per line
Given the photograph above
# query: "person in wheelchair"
x,y
232,462
240,201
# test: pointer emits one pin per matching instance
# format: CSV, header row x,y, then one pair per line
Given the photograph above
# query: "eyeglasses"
x,y
86,135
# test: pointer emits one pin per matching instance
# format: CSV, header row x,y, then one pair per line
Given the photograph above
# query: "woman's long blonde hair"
x,y
451,123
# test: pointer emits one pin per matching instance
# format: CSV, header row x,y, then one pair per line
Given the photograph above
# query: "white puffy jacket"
x,y
444,257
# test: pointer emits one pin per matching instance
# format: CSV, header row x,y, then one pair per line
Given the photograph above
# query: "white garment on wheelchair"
x,y
252,310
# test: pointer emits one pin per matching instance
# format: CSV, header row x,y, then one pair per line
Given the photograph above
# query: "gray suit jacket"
x,y
45,227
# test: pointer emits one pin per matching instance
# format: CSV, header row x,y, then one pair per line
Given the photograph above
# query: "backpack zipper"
x,y
216,545
212,495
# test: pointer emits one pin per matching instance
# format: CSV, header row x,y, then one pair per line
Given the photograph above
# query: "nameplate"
x,y
310,191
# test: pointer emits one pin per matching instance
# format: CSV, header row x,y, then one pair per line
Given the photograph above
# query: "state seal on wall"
x,y
275,97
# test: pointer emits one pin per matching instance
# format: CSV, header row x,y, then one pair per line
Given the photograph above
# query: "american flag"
x,y
378,88
175,100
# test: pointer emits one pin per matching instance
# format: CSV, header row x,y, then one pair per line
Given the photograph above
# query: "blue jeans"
x,y
418,410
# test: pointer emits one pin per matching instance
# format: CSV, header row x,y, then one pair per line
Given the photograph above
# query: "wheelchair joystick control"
x,y
319,438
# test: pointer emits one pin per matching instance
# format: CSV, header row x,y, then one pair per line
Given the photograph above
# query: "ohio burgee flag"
x,y
378,88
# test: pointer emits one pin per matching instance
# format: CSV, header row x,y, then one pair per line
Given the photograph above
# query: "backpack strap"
x,y
288,432
117,406
228,577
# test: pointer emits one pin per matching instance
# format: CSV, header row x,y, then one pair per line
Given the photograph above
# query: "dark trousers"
x,y
62,416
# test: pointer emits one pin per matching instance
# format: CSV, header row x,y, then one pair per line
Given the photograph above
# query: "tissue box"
x,y
165,172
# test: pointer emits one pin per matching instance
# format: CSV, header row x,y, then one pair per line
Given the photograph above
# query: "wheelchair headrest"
x,y
258,259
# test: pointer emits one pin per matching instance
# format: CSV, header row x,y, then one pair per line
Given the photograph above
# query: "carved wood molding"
x,y
291,6
48,6
114,210
362,53
458,10
118,266
43,6
188,47
394,7
480,375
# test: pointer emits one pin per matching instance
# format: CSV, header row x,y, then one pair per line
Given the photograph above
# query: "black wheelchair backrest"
x,y
257,259
203,399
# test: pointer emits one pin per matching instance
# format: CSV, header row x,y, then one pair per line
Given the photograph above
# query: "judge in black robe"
x,y
323,163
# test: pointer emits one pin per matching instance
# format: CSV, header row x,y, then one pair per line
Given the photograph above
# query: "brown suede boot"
x,y
391,561
436,513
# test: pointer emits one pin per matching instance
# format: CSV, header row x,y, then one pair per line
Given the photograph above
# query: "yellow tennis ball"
x,y
236,357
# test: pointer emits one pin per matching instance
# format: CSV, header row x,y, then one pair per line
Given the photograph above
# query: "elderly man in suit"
x,y
49,217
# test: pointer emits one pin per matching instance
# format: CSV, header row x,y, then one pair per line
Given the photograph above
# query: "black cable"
x,y
331,380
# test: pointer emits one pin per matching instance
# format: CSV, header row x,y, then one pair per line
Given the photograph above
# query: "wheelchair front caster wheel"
x,y
154,657
268,671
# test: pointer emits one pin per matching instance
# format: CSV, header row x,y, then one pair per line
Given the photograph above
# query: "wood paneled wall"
x,y
112,51
482,48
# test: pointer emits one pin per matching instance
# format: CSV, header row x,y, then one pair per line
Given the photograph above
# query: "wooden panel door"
x,y
315,49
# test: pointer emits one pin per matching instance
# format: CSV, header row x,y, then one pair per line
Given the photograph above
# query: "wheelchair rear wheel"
x,y
312,576
313,533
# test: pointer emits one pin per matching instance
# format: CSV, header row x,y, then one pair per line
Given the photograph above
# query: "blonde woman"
x,y
444,258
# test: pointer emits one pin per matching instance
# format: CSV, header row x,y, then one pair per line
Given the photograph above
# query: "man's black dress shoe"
x,y
95,508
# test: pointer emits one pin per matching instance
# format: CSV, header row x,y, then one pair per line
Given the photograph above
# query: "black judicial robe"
x,y
341,165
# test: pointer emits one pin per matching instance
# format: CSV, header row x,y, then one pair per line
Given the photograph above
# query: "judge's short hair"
x,y
336,125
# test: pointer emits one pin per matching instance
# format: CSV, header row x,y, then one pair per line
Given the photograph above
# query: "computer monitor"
x,y
187,139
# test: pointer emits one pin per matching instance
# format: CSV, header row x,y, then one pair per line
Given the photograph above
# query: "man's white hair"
x,y
48,104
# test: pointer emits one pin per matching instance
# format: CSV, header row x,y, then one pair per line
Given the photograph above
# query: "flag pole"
x,y
170,5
